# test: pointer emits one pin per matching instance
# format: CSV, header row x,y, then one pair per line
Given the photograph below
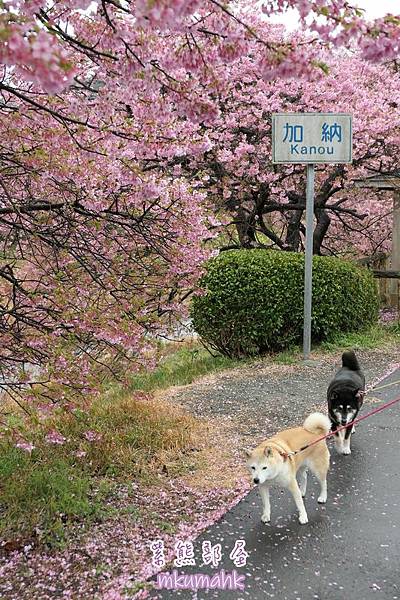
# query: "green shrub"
x,y
253,300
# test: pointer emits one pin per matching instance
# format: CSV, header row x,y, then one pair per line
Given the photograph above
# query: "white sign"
x,y
312,138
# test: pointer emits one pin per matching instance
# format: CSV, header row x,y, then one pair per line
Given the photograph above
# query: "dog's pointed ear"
x,y
247,452
334,396
268,451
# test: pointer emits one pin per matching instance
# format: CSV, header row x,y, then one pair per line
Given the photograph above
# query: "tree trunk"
x,y
292,241
322,226
245,227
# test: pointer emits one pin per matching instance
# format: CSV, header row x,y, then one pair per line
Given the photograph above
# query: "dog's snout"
x,y
256,480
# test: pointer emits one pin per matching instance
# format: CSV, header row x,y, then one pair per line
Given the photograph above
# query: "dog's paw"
x,y
265,518
322,499
346,451
303,519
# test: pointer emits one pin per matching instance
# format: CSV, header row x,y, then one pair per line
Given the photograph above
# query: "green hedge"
x,y
253,300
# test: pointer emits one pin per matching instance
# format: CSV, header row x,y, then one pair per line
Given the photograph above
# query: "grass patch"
x,y
40,498
376,336
43,492
121,437
373,337
287,357
180,364
162,524
370,338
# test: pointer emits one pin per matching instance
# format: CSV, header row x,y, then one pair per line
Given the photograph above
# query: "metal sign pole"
x,y
311,138
308,261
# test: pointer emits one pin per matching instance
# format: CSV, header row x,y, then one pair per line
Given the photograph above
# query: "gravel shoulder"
x,y
259,399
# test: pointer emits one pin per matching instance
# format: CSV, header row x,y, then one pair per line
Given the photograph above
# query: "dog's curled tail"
x,y
317,423
349,360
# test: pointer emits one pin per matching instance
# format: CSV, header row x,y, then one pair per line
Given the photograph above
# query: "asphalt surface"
x,y
349,550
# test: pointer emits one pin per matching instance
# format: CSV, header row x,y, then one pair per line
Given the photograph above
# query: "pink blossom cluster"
x,y
55,437
35,57
164,14
25,446
40,54
92,436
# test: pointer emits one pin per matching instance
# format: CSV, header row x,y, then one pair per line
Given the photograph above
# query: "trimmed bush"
x,y
253,300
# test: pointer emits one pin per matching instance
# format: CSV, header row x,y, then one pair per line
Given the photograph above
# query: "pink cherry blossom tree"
x,y
39,34
97,252
266,202
111,113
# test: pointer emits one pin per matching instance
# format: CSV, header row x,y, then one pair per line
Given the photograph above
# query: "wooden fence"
x,y
388,280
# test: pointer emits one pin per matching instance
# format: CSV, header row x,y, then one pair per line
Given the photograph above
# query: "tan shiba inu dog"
x,y
271,464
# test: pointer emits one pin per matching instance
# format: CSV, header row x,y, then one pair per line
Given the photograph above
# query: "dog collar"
x,y
281,450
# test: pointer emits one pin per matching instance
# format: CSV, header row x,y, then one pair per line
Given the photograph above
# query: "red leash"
x,y
331,433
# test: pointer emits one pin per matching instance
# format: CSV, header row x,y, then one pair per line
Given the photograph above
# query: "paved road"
x,y
350,550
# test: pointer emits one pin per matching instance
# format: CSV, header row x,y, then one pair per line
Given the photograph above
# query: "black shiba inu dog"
x,y
345,398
